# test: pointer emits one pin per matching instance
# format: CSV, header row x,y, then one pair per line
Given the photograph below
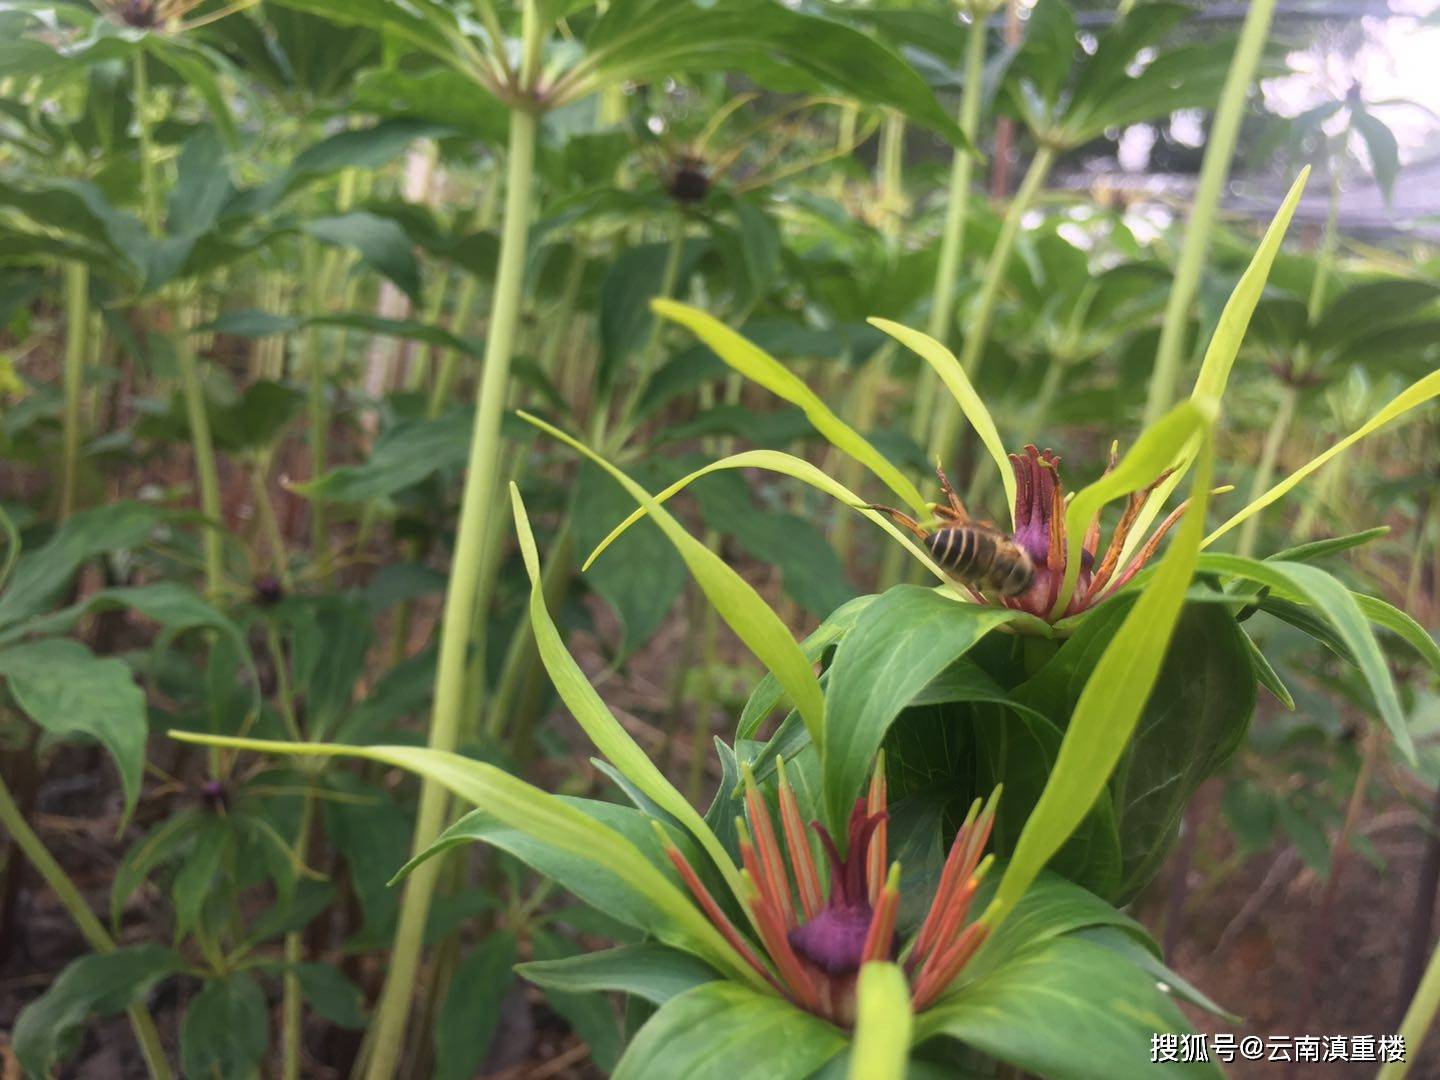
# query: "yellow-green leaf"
x,y
883,1022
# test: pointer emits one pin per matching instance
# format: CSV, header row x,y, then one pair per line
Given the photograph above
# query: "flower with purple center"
x,y
812,936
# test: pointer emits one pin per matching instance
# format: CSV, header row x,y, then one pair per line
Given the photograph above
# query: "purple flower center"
x,y
834,940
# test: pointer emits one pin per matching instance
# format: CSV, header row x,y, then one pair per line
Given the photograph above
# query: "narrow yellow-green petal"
x,y
883,1024
1416,394
1109,705
1148,458
760,367
592,714
734,599
952,374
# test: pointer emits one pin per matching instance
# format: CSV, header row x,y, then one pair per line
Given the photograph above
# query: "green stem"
x,y
419,372
1265,467
269,523
69,896
204,450
649,356
1418,1018
478,505
957,209
77,290
317,410
191,387
1214,171
444,384
977,332
294,954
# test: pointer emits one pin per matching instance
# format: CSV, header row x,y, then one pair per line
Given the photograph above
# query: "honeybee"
x,y
974,553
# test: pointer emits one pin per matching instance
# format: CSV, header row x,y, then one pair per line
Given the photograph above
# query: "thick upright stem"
x,y
90,928
462,599
1417,1021
947,420
1214,171
294,954
207,478
77,311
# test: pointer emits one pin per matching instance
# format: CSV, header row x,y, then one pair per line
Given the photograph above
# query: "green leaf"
x,y
332,995
883,1021
1416,394
595,718
535,813
1380,144
1109,706
1339,607
722,1030
591,1015
174,606
42,575
226,1030
634,278
403,456
899,643
958,383
257,324
48,1030
1068,1009
471,1012
69,691
736,601
1393,619
648,970
381,242
780,48
762,368
1318,549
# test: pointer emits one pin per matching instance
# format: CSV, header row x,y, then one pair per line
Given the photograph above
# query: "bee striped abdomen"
x,y
983,558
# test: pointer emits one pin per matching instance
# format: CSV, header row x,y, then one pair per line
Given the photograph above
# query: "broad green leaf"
x,y
1220,356
1419,392
250,323
1152,453
332,995
1268,676
900,642
1110,705
1145,959
1068,1009
536,813
42,574
381,242
69,691
883,1022
762,368
49,1028
467,1021
736,601
12,546
958,383
1196,714
721,1031
635,277
648,970
403,456
175,607
1339,607
226,1030
590,1015
594,716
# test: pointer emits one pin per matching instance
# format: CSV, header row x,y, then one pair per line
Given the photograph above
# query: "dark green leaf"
x,y
226,1029
472,1007
649,970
